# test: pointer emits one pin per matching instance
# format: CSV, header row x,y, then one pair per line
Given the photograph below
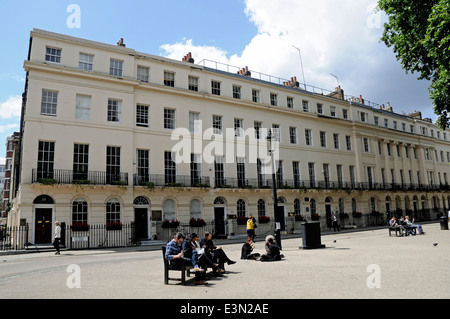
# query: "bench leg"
x,y
183,276
166,276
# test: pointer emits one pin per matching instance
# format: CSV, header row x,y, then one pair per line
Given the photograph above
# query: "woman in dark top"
x,y
247,250
191,250
215,253
273,251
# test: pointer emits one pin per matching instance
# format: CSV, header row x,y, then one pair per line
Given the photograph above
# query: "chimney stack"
x,y
244,72
120,43
188,58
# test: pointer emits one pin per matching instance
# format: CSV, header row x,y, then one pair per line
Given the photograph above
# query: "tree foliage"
x,y
419,33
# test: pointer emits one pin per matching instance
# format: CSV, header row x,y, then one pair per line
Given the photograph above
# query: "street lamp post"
x,y
274,188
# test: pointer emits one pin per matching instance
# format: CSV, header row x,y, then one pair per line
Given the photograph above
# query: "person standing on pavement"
x,y
57,238
335,222
251,227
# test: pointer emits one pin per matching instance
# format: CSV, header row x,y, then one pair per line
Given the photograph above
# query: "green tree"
x,y
419,33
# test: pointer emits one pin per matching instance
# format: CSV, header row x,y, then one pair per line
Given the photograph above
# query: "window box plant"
x,y
114,226
357,214
170,223
242,220
343,216
264,219
80,226
199,222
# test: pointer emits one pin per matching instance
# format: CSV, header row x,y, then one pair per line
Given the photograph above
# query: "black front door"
x,y
141,222
328,215
219,217
43,226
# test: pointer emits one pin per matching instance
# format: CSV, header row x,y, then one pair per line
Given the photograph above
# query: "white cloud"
x,y
178,50
335,37
12,76
8,127
11,107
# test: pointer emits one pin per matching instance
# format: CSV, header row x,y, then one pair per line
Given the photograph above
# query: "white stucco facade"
x,y
350,156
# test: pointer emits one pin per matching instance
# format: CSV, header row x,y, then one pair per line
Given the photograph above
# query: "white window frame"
x,y
83,107
114,110
86,62
49,102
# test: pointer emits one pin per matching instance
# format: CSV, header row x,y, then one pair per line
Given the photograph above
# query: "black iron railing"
x,y
100,236
61,176
13,238
171,180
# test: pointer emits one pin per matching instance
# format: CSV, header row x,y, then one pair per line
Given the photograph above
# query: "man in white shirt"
x,y
57,238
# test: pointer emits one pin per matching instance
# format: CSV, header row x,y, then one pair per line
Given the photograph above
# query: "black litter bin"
x,y
444,223
311,236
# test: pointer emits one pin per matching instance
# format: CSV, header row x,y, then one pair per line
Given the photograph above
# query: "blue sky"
x,y
260,34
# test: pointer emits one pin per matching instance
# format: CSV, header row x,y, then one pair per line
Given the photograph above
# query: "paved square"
x,y
365,264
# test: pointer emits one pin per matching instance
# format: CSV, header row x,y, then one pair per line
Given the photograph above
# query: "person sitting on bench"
x,y
197,255
416,226
215,253
394,223
175,255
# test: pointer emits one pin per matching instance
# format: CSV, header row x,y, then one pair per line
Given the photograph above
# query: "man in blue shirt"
x,y
175,255
173,248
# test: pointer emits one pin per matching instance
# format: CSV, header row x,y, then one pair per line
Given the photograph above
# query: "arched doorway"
x,y
423,206
43,219
219,217
388,207
328,211
408,209
415,207
141,206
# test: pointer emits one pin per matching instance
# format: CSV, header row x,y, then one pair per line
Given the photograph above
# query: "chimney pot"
x,y
120,43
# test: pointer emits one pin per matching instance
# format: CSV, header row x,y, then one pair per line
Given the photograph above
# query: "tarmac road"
x,y
366,264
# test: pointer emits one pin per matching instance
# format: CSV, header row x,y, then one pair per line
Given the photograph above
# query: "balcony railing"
x,y
61,176
171,180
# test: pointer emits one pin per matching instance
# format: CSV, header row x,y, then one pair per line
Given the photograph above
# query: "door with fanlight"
x,y
43,226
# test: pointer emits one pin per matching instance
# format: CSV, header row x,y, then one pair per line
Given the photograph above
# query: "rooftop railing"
x,y
281,81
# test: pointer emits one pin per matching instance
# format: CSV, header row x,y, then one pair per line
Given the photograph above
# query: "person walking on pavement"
x,y
335,222
57,238
251,227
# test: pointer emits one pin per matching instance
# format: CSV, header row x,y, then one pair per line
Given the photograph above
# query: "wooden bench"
x,y
184,268
398,231
410,230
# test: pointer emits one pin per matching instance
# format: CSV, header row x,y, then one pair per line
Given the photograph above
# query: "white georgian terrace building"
x,y
97,147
